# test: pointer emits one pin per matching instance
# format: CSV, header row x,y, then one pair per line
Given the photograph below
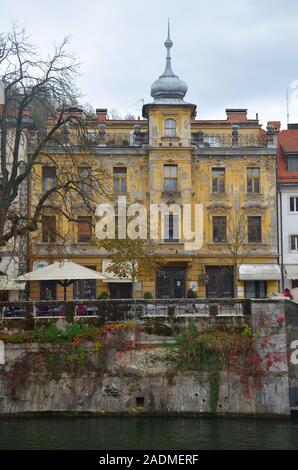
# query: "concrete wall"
x,y
128,376
59,378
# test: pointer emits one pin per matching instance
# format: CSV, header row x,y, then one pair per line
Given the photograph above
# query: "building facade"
x,y
13,256
227,166
288,205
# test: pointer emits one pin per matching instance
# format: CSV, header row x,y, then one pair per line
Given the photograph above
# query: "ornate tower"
x,y
169,119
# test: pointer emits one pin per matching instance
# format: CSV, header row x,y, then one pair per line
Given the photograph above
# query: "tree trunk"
x,y
235,281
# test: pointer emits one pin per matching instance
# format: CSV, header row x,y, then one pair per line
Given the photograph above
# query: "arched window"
x,y
170,128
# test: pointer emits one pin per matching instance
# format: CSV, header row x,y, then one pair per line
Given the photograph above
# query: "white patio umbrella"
x,y
65,272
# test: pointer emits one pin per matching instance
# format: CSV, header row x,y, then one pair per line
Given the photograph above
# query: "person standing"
x,y
287,293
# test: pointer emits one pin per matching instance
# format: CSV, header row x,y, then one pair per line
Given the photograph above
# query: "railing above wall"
x,y
124,309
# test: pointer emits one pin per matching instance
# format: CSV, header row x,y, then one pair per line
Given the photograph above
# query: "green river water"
x,y
146,433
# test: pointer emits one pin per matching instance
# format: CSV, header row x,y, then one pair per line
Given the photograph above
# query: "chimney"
x,y
101,114
236,115
275,124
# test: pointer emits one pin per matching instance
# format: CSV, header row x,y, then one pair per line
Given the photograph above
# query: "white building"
x,y
287,162
13,256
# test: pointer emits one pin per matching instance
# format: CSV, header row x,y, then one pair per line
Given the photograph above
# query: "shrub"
x,y
49,334
103,295
148,295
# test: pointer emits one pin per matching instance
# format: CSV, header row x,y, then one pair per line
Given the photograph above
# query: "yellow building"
x,y
227,166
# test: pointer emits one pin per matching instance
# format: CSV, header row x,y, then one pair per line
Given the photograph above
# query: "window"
x,y
293,204
253,180
292,163
170,178
120,180
254,229
171,228
48,290
49,234
49,178
85,181
170,128
219,229
218,180
84,229
294,242
255,289
85,289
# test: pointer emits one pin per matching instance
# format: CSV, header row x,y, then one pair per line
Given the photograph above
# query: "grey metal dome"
x,y
168,86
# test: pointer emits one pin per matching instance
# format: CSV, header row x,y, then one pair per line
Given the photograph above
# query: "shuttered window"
x,y
253,180
49,178
120,180
170,128
254,224
49,233
170,178
218,180
219,229
292,163
171,228
85,180
84,229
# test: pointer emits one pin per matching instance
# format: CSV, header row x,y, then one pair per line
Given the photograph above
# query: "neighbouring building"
x,y
288,205
172,156
13,257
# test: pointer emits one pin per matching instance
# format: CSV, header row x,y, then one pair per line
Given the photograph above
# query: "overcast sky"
x,y
232,53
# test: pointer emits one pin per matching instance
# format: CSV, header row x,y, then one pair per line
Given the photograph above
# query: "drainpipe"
x,y
280,235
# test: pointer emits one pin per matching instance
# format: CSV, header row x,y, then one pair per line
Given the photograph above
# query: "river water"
x,y
146,433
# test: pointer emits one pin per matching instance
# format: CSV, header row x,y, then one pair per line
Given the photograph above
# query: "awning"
x,y
259,272
62,271
7,283
292,271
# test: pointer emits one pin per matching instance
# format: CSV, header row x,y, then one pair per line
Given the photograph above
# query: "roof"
x,y
288,140
287,143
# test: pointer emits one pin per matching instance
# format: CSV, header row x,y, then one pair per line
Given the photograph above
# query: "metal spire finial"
x,y
168,43
168,87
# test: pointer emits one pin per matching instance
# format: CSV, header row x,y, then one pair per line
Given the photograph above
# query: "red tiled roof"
x,y
276,124
288,143
289,140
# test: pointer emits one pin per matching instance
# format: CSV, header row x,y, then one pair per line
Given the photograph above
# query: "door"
x,y
120,290
170,282
220,283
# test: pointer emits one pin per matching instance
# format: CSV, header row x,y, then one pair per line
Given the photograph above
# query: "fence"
x,y
112,310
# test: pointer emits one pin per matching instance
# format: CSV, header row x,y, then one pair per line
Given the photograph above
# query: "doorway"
x,y
120,290
170,282
220,283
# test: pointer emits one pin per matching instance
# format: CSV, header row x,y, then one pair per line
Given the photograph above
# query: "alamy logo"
x,y
166,222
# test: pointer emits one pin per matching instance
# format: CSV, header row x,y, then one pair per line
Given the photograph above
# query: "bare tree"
x,y
114,114
235,251
46,85
130,117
